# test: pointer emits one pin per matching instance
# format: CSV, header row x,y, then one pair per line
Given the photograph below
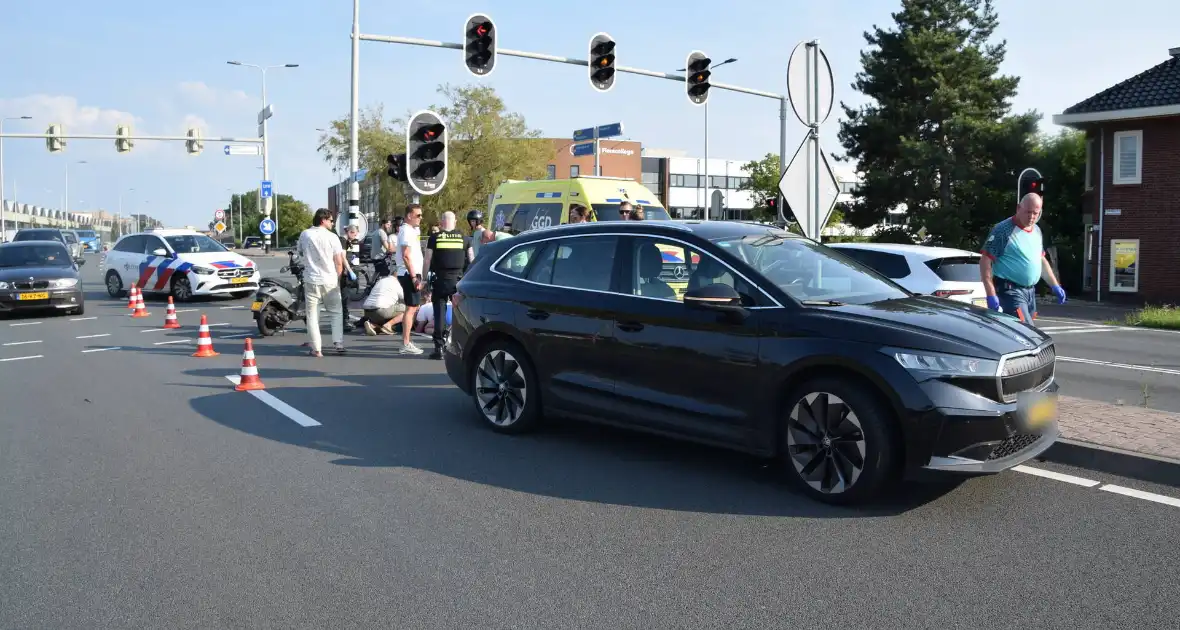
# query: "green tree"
x,y
486,145
1061,159
294,216
764,176
936,137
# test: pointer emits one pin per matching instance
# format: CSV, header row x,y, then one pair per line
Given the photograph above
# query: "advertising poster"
x,y
1124,265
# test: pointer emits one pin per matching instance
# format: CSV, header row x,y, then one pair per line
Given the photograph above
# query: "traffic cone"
x,y
204,341
170,320
249,380
131,297
140,309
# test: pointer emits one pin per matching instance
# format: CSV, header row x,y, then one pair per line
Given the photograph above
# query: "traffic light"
x,y
55,143
397,166
195,145
426,153
602,62
1030,181
696,82
123,143
479,45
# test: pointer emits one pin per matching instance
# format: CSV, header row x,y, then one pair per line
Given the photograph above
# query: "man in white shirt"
x,y
384,306
380,247
409,270
323,263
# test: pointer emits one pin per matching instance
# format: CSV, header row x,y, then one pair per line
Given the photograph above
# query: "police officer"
x,y
445,257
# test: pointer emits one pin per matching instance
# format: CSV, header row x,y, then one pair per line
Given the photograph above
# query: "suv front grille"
x,y
1013,445
1027,373
39,284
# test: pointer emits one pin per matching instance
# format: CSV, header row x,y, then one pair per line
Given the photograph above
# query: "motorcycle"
x,y
277,301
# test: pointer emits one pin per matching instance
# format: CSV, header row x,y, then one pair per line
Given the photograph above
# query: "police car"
x,y
182,263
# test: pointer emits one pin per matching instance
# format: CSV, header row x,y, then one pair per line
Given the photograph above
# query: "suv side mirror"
x,y
716,297
159,251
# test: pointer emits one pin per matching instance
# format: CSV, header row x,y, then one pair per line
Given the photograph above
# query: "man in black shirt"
x,y
445,256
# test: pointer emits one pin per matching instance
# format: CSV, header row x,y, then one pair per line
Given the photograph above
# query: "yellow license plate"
x,y
1040,409
256,306
239,280
41,295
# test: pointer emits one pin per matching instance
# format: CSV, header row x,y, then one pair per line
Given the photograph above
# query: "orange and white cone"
x,y
131,294
204,341
140,309
170,320
249,380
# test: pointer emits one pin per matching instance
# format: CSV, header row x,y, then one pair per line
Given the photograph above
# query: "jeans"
x,y
440,294
316,294
1018,301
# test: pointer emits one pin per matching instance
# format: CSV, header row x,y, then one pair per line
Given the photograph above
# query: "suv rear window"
x,y
38,235
956,268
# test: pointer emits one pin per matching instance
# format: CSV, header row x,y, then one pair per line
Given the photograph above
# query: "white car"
x,y
939,271
182,263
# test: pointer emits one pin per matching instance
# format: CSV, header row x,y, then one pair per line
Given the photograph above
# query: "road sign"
x,y
240,149
583,135
812,207
267,189
359,176
218,215
220,227
578,150
809,84
266,226
611,130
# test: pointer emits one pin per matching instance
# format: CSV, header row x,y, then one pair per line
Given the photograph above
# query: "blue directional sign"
x,y
359,176
267,189
583,135
579,150
227,149
610,131
267,226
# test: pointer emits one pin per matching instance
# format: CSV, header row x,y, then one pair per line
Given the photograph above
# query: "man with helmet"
x,y
475,222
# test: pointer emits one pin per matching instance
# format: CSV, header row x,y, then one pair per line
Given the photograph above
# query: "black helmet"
x,y
475,215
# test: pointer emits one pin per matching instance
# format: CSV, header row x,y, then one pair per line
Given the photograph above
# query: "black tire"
x,y
517,404
820,459
265,319
182,289
115,285
81,310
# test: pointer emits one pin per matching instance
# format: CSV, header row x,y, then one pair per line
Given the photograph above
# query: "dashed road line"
x,y
1091,483
1124,366
188,310
156,330
34,356
25,324
1049,474
93,336
20,343
221,324
81,319
165,343
294,414
1139,494
102,349
228,308
235,336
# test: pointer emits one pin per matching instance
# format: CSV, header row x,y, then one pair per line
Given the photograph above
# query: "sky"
x,y
161,67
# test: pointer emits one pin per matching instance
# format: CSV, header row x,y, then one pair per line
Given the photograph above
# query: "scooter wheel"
x,y
266,320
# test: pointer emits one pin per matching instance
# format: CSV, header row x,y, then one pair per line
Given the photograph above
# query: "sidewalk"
x,y
1121,439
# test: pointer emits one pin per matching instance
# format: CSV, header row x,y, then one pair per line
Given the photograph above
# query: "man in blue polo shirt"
x,y
1014,261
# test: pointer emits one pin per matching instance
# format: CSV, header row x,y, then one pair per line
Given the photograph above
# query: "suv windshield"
x,y
193,244
47,255
610,212
70,238
812,272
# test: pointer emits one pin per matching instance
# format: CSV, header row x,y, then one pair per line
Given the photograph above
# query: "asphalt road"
x,y
139,490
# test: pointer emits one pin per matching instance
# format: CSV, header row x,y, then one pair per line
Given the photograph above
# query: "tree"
x,y
762,185
294,216
115,231
486,145
1061,159
937,138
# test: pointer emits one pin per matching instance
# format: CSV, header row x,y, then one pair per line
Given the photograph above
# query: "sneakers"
x,y
369,330
410,348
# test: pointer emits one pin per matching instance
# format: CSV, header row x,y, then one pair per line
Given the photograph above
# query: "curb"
x,y
1140,466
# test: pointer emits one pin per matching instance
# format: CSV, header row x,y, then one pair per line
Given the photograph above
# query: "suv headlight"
x,y
204,271
64,283
938,364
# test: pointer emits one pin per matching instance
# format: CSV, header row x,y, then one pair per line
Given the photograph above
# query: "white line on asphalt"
x,y
1074,331
187,310
21,343
1059,328
236,336
1071,322
1139,494
25,324
81,319
102,349
299,417
156,329
92,336
227,308
35,356
1049,474
165,343
1125,366
222,324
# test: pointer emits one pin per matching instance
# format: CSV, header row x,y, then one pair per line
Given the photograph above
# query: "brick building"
x,y
1132,199
619,158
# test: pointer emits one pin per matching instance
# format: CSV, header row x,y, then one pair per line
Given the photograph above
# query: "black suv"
x,y
748,337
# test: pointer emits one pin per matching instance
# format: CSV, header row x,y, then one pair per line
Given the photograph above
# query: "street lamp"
x,y
265,125
3,225
705,205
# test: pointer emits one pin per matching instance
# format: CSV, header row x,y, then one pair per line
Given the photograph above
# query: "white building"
x,y
683,188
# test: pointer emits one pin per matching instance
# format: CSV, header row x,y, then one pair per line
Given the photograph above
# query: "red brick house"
x,y
1132,210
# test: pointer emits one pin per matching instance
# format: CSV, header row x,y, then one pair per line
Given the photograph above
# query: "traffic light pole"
x,y
94,136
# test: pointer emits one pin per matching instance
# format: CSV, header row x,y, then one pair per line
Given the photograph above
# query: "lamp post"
x,y
3,225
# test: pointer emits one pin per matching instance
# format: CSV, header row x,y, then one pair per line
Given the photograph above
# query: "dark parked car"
x,y
65,237
39,275
779,346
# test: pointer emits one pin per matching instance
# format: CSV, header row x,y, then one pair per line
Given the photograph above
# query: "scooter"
x,y
277,301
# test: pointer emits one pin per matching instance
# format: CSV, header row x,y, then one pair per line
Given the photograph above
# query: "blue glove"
x,y
993,303
1060,293
352,275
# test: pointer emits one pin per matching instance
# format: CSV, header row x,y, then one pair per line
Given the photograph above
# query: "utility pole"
x,y
2,223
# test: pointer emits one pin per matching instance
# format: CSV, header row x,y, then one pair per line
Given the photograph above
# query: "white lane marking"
x,y
21,343
25,324
156,329
165,343
35,356
1049,474
82,319
1087,328
227,308
102,349
1139,494
237,336
187,310
1071,322
1125,366
92,336
299,417
223,324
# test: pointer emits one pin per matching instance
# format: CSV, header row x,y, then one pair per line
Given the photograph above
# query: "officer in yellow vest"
x,y
445,255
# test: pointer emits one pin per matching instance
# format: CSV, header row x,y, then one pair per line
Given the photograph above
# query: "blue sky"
x,y
162,66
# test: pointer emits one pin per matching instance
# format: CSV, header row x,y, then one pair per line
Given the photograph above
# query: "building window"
x,y
1090,164
650,178
1128,157
575,170
551,171
1124,265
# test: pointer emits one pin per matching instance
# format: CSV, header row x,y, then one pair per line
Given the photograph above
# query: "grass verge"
x,y
1165,317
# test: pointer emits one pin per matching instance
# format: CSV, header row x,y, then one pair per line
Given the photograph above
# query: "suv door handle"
x,y
536,313
629,326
